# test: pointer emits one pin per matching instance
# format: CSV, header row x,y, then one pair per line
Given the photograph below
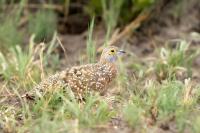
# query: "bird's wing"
x,y
88,77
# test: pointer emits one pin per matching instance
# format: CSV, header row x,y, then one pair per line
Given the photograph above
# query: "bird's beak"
x,y
121,52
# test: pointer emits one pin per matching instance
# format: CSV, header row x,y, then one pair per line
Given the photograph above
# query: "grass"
x,y
175,60
117,12
157,103
142,100
91,52
9,35
168,100
59,106
111,13
160,105
43,25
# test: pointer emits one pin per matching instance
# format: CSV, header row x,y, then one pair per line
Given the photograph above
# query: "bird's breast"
x,y
105,73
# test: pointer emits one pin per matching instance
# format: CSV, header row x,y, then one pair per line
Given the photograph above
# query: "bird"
x,y
86,78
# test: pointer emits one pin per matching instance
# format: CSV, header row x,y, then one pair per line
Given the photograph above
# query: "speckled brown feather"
x,y
82,79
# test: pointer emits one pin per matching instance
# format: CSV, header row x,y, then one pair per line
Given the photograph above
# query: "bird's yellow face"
x,y
110,54
112,51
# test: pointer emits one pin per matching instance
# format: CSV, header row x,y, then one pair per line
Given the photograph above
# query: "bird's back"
x,y
82,79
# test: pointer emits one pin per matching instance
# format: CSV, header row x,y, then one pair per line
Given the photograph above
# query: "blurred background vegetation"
x,y
21,18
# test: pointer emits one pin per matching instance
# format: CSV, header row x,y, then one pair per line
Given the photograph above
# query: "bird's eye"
x,y
112,51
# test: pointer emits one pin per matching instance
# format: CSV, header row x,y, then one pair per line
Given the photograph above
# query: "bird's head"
x,y
110,54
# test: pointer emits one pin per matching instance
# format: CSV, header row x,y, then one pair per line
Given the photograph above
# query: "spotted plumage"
x,y
85,78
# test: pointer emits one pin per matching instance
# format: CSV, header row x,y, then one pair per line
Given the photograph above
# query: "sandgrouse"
x,y
86,78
